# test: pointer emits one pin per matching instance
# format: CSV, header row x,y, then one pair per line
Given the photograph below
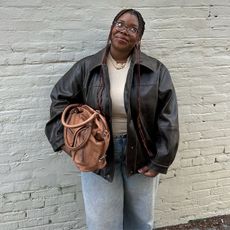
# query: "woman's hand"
x,y
146,171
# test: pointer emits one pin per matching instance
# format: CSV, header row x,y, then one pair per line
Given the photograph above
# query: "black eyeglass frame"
x,y
120,26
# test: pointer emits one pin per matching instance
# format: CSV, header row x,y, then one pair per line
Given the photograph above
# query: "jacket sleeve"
x,y
167,137
67,90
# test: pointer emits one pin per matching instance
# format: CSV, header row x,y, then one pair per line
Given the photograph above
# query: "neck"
x,y
119,56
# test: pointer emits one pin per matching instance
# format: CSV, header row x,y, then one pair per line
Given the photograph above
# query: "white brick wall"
x,y
40,40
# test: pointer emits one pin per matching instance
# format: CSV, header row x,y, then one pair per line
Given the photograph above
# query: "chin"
x,y
121,47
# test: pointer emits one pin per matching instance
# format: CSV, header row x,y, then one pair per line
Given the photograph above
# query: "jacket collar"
x,y
145,60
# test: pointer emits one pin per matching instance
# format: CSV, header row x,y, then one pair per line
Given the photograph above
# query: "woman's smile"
x,y
122,39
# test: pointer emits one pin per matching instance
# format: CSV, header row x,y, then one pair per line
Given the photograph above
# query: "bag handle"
x,y
76,125
77,134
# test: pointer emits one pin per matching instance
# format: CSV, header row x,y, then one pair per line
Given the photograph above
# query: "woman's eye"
x,y
133,29
119,24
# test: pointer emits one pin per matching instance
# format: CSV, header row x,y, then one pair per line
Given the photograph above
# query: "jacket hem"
x,y
57,145
158,168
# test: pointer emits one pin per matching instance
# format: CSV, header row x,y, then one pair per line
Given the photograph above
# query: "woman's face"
x,y
124,33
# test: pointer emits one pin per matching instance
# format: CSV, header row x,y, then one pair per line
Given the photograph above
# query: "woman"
x,y
136,95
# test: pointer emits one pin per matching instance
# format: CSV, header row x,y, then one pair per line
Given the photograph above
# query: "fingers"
x,y
146,171
150,173
143,169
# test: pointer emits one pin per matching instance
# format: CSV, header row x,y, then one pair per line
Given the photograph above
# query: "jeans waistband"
x,y
117,136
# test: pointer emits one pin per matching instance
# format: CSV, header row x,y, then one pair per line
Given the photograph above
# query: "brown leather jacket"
x,y
158,104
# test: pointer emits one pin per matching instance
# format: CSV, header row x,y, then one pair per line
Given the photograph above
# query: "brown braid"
x,y
139,102
141,22
141,28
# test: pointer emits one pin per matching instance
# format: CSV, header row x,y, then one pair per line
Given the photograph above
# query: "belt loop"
x,y
124,135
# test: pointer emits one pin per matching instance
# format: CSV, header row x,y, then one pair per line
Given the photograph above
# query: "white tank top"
x,y
117,84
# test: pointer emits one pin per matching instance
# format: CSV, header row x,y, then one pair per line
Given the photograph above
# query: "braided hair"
x,y
141,29
141,22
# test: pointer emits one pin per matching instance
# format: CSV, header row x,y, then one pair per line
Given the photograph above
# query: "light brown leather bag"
x,y
86,135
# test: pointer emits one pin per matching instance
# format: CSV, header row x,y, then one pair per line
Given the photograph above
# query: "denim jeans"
x,y
126,203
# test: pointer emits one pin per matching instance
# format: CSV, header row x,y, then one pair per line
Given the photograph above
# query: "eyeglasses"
x,y
120,26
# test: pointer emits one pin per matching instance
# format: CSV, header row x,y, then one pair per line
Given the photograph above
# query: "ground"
x,y
214,223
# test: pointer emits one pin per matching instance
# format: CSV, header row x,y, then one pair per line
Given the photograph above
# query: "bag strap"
x,y
63,119
88,131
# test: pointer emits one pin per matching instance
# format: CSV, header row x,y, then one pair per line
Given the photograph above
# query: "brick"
x,y
67,198
214,150
186,163
26,204
204,185
227,149
4,168
40,212
70,189
9,226
190,153
12,216
208,201
212,134
208,160
58,226
12,197
41,40
46,193
223,182
223,158
33,222
220,190
6,188
199,195
191,136
204,143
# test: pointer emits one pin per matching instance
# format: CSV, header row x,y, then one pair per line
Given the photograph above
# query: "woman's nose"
x,y
124,31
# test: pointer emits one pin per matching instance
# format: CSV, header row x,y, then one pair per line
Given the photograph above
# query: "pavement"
x,y
213,223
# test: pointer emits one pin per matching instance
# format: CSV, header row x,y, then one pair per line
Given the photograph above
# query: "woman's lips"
x,y
122,40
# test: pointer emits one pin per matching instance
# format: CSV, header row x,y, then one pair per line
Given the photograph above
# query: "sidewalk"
x,y
213,223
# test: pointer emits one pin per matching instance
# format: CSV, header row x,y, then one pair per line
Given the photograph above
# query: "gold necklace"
x,y
116,65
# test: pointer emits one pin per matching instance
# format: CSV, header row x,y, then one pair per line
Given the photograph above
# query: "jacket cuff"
x,y
57,145
158,168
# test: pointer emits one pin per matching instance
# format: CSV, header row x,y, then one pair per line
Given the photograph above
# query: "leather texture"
x,y
86,136
158,104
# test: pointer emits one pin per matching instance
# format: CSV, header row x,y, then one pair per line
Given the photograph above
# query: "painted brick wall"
x,y
40,40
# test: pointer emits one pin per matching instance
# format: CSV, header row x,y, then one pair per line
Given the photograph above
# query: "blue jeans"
x,y
126,203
